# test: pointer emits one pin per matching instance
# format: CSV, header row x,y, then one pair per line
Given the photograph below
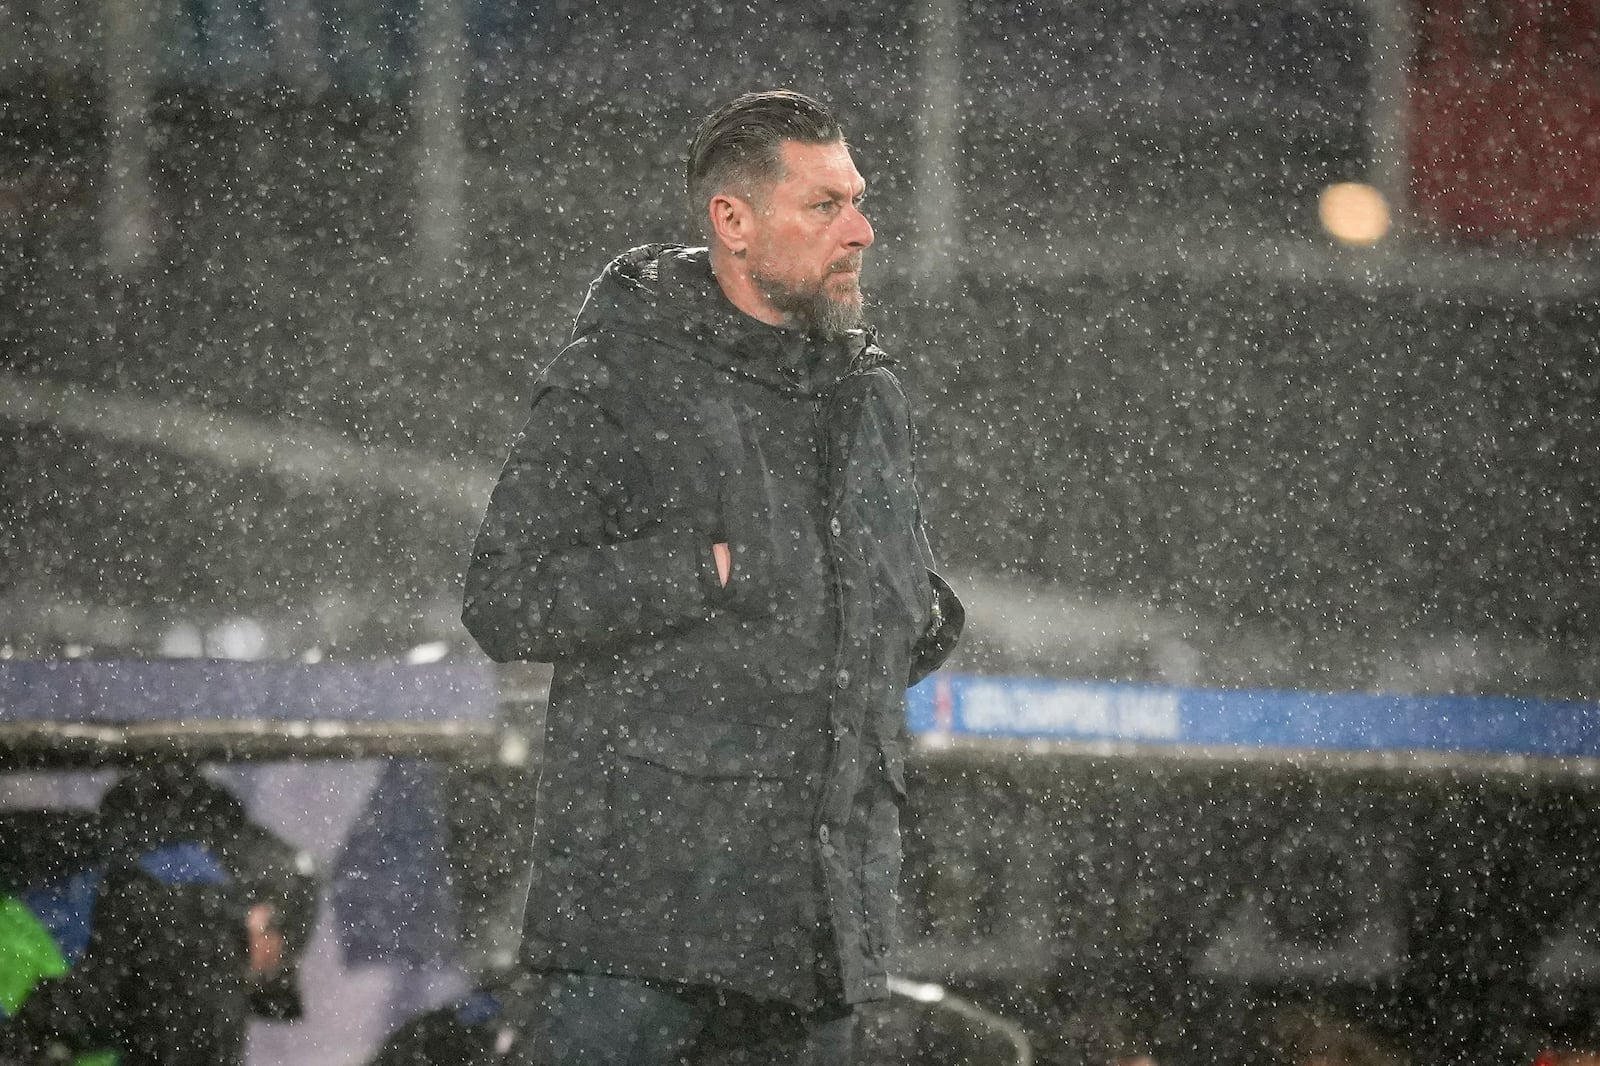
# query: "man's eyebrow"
x,y
839,192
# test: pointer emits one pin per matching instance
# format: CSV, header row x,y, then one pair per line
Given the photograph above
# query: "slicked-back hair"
x,y
739,148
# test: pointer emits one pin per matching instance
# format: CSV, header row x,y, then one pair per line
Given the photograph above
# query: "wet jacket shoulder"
x,y
569,563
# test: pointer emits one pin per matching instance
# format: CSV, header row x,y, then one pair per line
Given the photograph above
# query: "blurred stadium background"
x,y
1254,344
277,275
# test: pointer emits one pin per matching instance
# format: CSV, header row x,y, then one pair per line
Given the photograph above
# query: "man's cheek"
x,y
267,947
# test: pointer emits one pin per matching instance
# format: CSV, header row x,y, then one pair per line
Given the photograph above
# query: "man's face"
x,y
805,246
268,950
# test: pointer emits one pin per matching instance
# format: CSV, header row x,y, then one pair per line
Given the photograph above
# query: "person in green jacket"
x,y
187,922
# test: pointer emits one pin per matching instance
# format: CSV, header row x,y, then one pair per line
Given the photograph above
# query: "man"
x,y
183,921
710,526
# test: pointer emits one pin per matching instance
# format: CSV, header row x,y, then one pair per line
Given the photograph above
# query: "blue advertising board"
x,y
961,706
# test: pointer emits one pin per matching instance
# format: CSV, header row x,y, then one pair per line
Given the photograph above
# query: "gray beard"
x,y
814,310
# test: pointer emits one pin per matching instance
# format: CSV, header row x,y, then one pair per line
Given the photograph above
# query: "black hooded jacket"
x,y
724,767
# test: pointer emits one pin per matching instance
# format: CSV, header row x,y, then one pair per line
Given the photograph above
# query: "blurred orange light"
x,y
1354,213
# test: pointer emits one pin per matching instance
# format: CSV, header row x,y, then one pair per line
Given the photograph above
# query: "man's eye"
x,y
827,205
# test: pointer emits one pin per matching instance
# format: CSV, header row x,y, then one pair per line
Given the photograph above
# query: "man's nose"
x,y
858,231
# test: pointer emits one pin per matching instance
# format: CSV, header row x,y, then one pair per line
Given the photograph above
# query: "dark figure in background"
x,y
190,922
1311,1036
711,527
1105,1031
482,1028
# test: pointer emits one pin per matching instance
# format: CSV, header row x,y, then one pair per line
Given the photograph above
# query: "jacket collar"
x,y
668,293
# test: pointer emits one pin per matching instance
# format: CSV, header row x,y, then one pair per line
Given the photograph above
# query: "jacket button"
x,y
842,679
835,527
822,833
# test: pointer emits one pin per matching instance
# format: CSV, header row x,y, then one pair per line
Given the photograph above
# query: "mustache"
x,y
848,263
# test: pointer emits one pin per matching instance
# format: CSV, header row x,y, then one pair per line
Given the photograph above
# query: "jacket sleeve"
x,y
949,617
553,574
946,620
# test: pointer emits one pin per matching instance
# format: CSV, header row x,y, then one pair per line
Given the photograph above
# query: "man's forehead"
x,y
820,167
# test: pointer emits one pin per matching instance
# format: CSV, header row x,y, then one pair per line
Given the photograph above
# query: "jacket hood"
x,y
667,293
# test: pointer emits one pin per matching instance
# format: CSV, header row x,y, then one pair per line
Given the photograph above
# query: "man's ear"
x,y
731,217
